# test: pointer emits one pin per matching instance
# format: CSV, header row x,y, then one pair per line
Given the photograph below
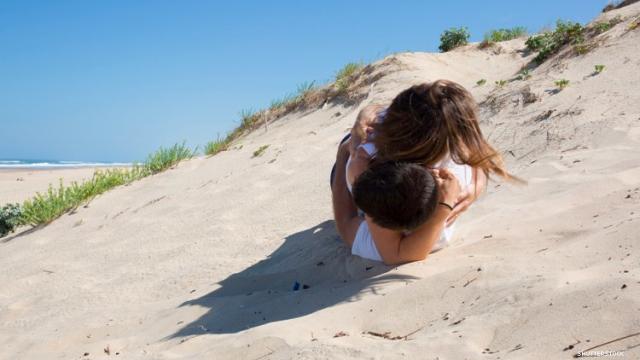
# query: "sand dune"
x,y
201,261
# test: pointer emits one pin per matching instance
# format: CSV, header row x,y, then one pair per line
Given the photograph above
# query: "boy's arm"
x,y
345,211
394,248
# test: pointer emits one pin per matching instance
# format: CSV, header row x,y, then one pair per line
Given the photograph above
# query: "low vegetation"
x,y
598,69
498,35
562,83
215,146
43,208
10,218
260,151
481,82
345,76
524,75
501,83
453,38
166,158
549,43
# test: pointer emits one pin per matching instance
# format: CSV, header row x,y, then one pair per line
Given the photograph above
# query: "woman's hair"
x,y
426,122
396,195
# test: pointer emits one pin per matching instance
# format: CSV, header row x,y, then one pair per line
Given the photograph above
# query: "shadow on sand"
x,y
316,259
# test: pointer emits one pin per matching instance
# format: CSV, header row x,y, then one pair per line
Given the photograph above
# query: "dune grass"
x,y
345,75
562,83
215,146
43,208
260,151
165,158
498,35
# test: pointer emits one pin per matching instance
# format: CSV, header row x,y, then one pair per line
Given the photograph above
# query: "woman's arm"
x,y
394,248
470,195
345,211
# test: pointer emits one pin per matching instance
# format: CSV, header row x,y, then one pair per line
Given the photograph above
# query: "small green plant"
x,y
453,38
345,76
633,24
501,83
481,82
599,69
547,44
602,26
215,146
524,75
260,151
10,218
165,158
498,35
562,83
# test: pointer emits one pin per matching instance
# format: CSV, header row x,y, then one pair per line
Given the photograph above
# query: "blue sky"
x,y
114,80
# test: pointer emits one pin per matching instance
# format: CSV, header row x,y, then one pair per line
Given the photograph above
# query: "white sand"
x,y
199,262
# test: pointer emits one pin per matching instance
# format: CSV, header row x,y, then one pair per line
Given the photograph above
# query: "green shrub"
x,y
481,82
453,38
547,44
562,83
599,69
10,218
344,76
501,83
498,35
165,158
260,151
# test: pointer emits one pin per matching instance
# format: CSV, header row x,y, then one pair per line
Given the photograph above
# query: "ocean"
x,y
47,164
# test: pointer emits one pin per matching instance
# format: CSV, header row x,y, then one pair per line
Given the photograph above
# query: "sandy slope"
x,y
199,262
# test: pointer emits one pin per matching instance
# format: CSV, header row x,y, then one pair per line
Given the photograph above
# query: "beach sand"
x,y
200,261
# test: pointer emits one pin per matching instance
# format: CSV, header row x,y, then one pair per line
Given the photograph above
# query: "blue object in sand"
x,y
296,286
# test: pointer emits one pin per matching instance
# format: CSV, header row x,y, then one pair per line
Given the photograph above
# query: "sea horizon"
x,y
57,164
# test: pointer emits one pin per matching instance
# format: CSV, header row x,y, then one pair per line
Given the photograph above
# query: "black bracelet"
x,y
447,205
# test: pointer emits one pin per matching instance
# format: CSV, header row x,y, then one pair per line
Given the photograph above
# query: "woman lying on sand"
x,y
403,166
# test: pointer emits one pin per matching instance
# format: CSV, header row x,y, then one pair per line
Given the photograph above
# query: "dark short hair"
x,y
396,195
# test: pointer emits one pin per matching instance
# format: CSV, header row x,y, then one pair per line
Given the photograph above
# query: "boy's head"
x,y
396,195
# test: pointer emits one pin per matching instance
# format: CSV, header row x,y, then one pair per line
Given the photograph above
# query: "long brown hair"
x,y
427,122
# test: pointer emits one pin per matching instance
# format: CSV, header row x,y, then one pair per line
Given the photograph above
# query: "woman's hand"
x,y
448,186
469,195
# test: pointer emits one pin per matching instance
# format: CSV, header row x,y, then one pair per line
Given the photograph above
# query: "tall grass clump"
x,y
549,43
165,158
215,146
498,35
453,38
345,76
